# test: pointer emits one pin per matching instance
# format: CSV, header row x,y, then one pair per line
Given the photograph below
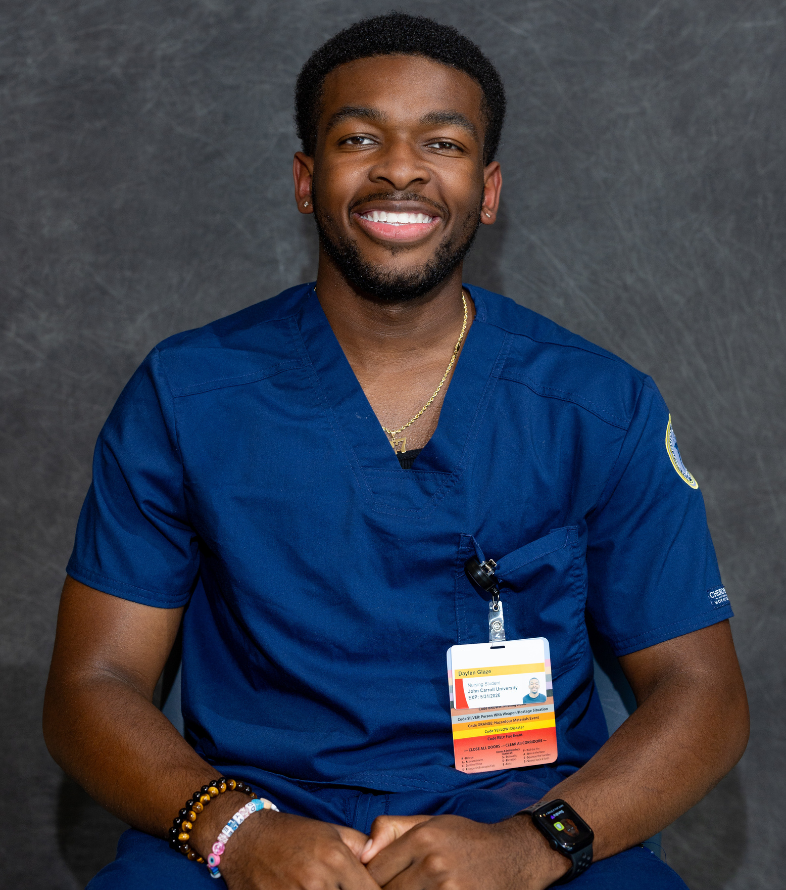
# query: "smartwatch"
x,y
567,833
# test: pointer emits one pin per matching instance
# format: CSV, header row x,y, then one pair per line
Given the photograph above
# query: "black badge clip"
x,y
481,576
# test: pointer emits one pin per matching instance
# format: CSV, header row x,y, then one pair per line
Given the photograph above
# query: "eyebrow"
x,y
355,111
450,117
378,117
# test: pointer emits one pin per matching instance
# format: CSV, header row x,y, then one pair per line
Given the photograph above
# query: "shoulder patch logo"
x,y
676,460
718,597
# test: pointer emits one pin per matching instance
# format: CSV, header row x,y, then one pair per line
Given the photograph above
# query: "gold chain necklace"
x,y
398,442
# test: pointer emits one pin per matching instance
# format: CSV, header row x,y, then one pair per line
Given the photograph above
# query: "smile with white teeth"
x,y
396,219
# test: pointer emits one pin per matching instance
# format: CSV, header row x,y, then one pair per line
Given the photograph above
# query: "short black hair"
x,y
391,34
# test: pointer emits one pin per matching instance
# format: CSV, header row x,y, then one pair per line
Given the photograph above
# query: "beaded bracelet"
x,y
231,827
183,824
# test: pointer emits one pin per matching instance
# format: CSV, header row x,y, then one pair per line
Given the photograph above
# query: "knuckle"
x,y
312,878
334,856
435,864
380,824
428,834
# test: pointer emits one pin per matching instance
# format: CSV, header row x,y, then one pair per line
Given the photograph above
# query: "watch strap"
x,y
580,860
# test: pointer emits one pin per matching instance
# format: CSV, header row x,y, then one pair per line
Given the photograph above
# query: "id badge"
x,y
501,705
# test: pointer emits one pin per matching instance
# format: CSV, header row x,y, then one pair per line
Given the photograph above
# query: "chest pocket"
x,y
543,588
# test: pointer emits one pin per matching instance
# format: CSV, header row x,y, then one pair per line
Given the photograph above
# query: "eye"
x,y
357,140
444,145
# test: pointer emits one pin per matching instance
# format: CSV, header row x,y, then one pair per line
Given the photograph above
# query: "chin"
x,y
385,285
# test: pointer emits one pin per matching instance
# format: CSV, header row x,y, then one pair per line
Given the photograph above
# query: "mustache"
x,y
399,196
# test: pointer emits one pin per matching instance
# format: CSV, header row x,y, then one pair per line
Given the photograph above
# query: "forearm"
x,y
690,729
100,724
127,755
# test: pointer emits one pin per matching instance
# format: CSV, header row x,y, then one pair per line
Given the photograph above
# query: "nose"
x,y
400,165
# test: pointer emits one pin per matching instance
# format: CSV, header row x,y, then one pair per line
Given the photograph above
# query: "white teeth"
x,y
396,219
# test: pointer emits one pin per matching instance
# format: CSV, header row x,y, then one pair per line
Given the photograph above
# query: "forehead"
x,y
400,86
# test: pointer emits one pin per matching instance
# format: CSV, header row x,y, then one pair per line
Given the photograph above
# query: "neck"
x,y
372,333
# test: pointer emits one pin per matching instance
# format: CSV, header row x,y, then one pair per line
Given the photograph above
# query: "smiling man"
x,y
299,486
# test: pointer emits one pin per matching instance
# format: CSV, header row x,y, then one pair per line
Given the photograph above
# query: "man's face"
x,y
534,686
398,175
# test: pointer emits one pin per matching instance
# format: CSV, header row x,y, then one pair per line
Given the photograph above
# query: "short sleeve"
x,y
133,539
653,574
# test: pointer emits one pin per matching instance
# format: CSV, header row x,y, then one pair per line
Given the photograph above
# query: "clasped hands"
x,y
401,853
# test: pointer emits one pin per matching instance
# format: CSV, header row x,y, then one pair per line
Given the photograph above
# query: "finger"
x,y
355,840
395,859
385,830
351,875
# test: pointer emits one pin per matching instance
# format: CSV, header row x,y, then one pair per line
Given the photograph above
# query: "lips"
x,y
397,225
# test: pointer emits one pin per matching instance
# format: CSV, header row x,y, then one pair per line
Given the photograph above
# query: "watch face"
x,y
564,825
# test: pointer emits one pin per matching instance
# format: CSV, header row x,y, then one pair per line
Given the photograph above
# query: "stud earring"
x,y
488,214
305,203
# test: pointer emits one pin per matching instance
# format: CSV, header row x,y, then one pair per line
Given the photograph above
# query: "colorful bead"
x,y
183,823
213,861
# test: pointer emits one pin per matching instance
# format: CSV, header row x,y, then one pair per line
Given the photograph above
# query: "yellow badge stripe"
x,y
503,670
499,727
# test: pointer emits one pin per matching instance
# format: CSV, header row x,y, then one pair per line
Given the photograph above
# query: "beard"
x,y
380,284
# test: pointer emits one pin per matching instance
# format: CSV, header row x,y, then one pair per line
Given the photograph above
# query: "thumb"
x,y
355,840
385,830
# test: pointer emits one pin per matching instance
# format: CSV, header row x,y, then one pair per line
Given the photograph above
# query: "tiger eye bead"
x,y
191,816
213,791
187,826
197,808
191,855
183,837
205,798
232,784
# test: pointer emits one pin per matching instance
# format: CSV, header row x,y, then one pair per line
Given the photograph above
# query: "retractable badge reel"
x,y
481,575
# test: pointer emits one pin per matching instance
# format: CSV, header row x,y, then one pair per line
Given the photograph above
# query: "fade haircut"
x,y
392,34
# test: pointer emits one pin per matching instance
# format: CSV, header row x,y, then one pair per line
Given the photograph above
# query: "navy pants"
x,y
145,861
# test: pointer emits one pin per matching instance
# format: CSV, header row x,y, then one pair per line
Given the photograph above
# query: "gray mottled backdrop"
x,y
145,151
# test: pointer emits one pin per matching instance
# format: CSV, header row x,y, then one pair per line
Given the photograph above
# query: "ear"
x,y
492,186
303,174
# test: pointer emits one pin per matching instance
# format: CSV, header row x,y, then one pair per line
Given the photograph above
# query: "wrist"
x,y
543,863
213,819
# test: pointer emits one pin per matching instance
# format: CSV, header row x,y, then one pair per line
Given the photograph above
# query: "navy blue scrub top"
x,y
244,474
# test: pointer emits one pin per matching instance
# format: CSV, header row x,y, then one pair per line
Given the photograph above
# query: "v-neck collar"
x,y
448,450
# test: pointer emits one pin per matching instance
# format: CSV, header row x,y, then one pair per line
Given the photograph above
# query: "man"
x,y
534,695
245,484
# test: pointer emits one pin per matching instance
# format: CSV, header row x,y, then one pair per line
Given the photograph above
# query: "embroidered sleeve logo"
x,y
676,460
